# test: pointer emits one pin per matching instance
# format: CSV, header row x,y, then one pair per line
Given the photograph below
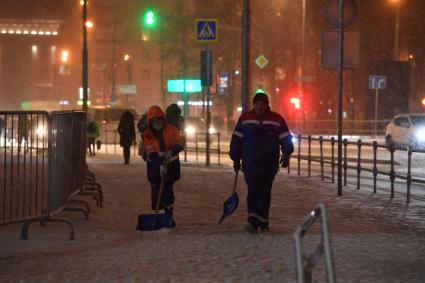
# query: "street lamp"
x,y
126,59
397,28
89,24
85,79
64,56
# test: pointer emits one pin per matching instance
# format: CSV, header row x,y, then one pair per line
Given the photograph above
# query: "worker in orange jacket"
x,y
162,143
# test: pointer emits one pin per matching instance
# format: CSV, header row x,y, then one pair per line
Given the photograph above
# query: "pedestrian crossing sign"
x,y
206,30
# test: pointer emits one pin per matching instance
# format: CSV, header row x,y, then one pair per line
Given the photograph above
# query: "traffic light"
x,y
149,18
296,102
423,102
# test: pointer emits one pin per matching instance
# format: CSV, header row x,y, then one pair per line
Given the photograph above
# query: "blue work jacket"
x,y
257,139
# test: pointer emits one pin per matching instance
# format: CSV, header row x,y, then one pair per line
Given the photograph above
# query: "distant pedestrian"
x,y
24,127
1,126
127,134
256,140
174,116
92,134
162,143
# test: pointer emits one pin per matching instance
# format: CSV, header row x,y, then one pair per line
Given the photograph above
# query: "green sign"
x,y
26,105
182,85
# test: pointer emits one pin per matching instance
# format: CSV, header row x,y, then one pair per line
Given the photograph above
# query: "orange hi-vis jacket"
x,y
153,153
170,134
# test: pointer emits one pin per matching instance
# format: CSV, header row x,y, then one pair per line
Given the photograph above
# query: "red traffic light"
x,y
296,102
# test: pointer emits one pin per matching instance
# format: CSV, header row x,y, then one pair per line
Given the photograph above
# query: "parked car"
x,y
406,130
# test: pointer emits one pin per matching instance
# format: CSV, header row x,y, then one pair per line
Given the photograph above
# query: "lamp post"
x,y
245,56
396,28
85,79
129,74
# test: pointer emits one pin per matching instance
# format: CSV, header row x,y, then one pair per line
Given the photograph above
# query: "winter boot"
x,y
264,227
169,211
252,225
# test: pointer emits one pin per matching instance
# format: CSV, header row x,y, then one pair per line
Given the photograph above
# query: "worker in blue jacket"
x,y
258,138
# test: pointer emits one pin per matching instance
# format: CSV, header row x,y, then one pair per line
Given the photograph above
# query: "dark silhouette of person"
x,y
92,135
127,134
174,117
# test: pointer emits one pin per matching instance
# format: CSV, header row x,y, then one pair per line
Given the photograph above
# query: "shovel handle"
x,y
161,187
235,182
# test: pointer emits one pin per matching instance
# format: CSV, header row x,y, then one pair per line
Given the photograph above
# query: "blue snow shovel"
x,y
230,205
156,221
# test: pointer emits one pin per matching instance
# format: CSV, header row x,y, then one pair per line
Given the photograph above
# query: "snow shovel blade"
x,y
153,222
229,206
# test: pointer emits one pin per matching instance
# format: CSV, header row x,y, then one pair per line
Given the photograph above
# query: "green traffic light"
x,y
150,18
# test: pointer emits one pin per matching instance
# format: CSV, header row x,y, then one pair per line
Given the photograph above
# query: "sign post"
x,y
206,32
376,83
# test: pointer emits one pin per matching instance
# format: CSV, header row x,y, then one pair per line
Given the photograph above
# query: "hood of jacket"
x,y
154,112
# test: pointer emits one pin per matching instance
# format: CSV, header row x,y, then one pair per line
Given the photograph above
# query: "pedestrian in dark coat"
x,y
127,134
92,133
174,116
162,143
1,126
258,138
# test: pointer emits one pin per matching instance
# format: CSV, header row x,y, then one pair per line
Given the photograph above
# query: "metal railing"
x,y
195,149
42,166
307,262
24,166
353,159
196,144
328,127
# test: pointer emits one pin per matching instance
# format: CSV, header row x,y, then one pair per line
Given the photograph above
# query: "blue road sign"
x,y
206,30
377,82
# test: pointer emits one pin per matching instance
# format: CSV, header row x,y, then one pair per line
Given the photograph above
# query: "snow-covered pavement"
x,y
374,238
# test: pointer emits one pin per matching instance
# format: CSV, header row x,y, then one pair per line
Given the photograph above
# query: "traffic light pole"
x,y
340,80
245,56
208,124
114,65
85,79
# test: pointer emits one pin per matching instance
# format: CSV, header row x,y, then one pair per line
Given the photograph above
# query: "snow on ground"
x,y
374,238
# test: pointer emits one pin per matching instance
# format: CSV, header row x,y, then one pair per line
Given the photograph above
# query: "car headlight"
x,y
420,134
190,130
40,131
211,130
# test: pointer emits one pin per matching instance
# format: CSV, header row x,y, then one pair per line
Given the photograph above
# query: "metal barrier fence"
x,y
357,162
307,262
329,127
24,166
196,144
42,166
195,149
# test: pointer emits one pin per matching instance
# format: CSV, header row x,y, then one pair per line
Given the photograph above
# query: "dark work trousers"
x,y
167,198
126,151
259,198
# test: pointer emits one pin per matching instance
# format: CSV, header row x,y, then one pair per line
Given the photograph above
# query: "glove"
x,y
168,154
236,166
284,161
